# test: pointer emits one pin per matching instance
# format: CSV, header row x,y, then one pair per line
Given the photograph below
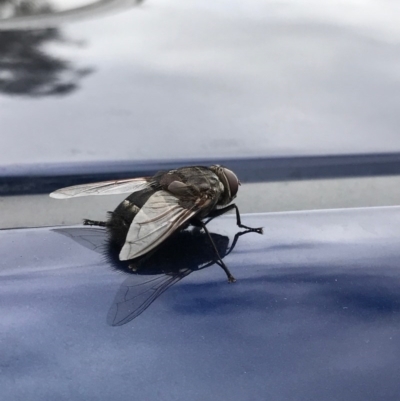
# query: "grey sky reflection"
x,y
253,78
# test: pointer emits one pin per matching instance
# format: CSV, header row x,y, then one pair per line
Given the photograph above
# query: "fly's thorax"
x,y
230,184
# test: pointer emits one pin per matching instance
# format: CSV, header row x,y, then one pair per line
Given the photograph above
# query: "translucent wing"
x,y
137,293
89,237
157,220
103,188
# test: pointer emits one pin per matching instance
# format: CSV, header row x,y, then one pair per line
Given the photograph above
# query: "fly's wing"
x,y
160,216
137,293
103,188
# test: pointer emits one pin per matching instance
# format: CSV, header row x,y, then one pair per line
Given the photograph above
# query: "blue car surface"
x,y
314,314
300,99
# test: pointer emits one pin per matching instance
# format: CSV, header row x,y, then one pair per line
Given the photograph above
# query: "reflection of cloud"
x,y
373,16
27,69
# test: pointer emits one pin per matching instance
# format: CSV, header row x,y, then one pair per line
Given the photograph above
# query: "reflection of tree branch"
x,y
16,8
26,69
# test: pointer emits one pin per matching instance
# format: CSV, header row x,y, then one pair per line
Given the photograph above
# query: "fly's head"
x,y
229,182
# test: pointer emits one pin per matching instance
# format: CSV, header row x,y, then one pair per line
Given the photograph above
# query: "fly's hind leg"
x,y
87,222
219,212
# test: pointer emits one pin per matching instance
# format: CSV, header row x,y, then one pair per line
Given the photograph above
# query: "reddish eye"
x,y
232,180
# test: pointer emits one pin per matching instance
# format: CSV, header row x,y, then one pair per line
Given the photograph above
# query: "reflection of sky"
x,y
311,317
189,79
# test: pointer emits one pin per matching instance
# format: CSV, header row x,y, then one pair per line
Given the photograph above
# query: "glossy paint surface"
x,y
185,80
314,315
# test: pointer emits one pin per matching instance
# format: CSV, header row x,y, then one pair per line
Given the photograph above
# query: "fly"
x,y
160,205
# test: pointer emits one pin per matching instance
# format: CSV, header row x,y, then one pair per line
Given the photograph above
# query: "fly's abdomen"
x,y
121,218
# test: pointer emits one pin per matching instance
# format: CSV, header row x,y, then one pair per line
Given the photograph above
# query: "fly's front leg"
x,y
199,223
219,212
239,222
235,240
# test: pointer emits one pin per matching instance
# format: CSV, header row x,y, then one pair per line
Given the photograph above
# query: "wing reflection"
x,y
90,237
137,293
152,274
185,252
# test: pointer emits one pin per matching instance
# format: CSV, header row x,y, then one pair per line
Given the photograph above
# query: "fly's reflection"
x,y
184,253
149,276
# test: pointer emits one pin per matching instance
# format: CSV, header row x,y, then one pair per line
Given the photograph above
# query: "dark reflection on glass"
x,y
27,68
152,274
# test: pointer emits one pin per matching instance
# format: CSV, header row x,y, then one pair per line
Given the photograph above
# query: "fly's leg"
x,y
235,240
258,230
219,212
199,223
87,222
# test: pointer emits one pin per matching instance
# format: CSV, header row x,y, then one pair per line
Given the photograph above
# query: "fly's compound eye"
x,y
232,181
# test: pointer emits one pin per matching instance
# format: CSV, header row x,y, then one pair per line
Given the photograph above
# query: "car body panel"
x,y
314,314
